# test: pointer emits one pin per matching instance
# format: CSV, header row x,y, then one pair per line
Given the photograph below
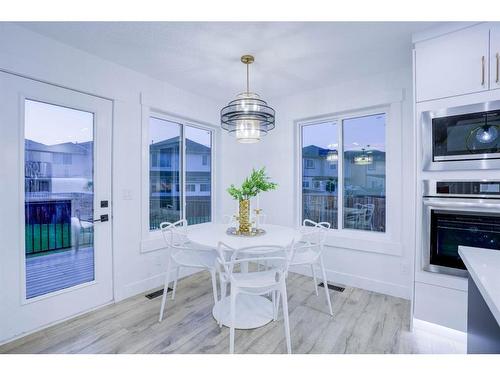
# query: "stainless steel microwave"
x,y
462,138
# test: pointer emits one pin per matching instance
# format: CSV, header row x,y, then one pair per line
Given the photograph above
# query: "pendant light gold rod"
x,y
247,60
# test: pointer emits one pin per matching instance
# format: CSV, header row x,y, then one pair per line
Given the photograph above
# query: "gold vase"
x,y
244,217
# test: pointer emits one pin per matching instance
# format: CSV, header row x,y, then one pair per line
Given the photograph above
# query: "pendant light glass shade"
x,y
366,158
248,117
332,156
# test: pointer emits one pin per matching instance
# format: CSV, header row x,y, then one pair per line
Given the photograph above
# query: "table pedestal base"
x,y
251,311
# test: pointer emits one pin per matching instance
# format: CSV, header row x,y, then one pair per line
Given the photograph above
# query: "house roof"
x,y
313,151
67,148
191,146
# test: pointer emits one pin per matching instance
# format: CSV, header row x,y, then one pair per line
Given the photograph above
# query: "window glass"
x,y
319,178
198,175
59,197
364,173
164,172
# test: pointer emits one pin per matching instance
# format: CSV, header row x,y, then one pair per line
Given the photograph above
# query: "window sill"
x,y
380,246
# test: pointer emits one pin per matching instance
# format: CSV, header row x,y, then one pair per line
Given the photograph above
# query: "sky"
x,y
159,130
358,133
52,124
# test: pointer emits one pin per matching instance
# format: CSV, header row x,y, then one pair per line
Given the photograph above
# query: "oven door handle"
x,y
463,203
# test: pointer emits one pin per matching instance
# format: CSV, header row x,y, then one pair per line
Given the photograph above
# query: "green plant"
x,y
254,184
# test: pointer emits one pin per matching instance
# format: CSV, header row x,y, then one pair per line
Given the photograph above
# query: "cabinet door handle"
x,y
482,70
498,68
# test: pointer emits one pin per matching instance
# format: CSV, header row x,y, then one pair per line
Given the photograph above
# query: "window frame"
x,y
364,238
154,234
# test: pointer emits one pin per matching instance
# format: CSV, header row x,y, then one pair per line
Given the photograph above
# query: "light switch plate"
x,y
126,194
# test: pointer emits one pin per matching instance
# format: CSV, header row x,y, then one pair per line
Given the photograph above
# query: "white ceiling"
x,y
203,57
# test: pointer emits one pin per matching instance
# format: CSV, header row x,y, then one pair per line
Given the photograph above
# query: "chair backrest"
x,y
367,218
175,234
277,256
312,231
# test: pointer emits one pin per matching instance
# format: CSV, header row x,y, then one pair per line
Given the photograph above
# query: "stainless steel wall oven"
x,y
458,213
460,138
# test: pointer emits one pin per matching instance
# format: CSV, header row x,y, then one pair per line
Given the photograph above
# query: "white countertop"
x,y
484,268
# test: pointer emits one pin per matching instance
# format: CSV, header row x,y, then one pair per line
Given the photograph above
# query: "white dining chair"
x,y
255,282
185,254
308,252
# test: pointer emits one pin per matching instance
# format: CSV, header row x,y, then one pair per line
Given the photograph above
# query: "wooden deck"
x,y
51,272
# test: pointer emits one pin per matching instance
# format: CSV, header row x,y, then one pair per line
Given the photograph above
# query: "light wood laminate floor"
x,y
363,322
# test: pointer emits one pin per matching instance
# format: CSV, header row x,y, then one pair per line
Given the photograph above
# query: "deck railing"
x,y
48,226
198,210
320,207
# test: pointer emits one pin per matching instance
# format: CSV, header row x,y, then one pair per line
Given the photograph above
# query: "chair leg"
x,y
233,321
325,285
165,290
273,300
214,285
223,292
175,282
278,296
313,271
285,318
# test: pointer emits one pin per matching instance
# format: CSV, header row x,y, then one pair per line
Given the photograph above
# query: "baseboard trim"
x,y
361,282
153,282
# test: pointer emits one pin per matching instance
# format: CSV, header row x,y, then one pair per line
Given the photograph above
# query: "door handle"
x,y
102,219
482,70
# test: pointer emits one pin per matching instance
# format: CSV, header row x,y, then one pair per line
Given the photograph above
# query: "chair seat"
x,y
255,280
201,259
304,257
86,224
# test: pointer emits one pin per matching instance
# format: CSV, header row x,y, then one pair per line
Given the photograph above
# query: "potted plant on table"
x,y
253,185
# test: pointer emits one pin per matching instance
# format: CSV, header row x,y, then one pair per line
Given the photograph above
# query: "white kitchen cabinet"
x,y
495,57
453,64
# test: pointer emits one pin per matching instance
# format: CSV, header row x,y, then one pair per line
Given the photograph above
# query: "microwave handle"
x,y
482,71
498,68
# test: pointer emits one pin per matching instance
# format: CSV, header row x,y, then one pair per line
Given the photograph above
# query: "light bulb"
x,y
247,131
487,134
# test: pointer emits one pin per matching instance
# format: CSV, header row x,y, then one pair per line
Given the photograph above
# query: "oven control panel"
x,y
467,188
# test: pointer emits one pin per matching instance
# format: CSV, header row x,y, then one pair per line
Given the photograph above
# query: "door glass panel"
x,y
364,173
59,197
320,172
198,175
164,172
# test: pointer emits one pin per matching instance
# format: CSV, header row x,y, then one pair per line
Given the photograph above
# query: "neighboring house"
x,y
164,168
60,168
320,176
60,172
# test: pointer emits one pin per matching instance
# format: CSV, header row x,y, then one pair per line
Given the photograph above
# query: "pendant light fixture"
x,y
332,156
247,117
366,158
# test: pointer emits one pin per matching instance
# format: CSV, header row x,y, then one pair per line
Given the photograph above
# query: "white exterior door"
x,y
55,182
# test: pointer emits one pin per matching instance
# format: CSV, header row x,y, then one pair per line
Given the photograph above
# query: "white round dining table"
x,y
251,311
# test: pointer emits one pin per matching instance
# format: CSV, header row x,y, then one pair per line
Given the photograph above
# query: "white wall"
x,y
381,266
32,55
